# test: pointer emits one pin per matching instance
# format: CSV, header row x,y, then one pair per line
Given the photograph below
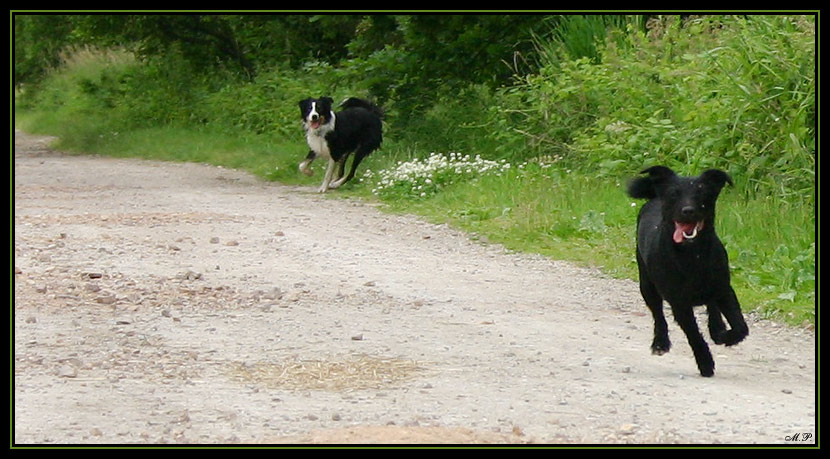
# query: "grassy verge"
x,y
529,207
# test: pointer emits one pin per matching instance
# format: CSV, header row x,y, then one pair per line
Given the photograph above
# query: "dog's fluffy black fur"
x,y
357,129
682,260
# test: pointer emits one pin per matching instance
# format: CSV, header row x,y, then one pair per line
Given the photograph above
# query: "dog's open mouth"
x,y
316,121
686,230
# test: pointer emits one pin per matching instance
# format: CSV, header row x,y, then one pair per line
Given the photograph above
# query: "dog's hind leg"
x,y
685,317
341,169
327,178
358,157
731,309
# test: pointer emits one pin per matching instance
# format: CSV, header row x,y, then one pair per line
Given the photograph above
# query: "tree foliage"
x,y
38,41
439,48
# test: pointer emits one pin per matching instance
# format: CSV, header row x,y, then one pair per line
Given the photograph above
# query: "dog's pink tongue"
x,y
680,228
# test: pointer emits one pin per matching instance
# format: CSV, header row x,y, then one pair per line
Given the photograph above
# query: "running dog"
x,y
357,129
682,260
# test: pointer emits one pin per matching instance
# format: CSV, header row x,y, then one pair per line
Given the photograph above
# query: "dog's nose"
x,y
687,211
314,117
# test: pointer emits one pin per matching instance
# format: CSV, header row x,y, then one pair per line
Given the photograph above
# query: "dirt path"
x,y
181,303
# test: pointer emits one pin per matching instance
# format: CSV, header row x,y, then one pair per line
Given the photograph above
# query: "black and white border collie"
x,y
334,136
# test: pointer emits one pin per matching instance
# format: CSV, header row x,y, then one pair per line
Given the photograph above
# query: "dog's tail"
x,y
354,102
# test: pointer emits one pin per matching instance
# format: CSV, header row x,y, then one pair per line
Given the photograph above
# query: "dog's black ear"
x,y
641,188
304,103
658,173
649,187
716,177
324,104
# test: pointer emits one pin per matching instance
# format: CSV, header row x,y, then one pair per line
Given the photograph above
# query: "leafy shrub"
x,y
265,105
159,92
709,91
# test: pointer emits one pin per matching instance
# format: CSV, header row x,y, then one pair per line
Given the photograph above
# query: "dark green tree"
x,y
38,40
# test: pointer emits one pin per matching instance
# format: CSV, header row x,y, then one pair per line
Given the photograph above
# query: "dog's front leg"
x,y
661,343
305,166
685,317
716,326
327,178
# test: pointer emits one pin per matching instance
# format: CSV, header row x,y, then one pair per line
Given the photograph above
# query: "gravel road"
x,y
166,303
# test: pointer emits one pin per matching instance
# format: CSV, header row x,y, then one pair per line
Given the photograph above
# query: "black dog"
x,y
336,135
681,259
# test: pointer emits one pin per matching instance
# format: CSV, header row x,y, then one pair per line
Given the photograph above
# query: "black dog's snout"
x,y
687,211
314,117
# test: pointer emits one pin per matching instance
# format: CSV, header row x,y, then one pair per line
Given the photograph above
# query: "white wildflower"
x,y
424,177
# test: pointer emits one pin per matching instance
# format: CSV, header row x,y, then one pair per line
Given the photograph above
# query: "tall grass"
x,y
575,36
710,91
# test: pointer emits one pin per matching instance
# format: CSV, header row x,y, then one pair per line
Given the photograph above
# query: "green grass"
x,y
548,212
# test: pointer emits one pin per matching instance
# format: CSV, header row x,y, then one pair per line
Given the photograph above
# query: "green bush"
x,y
265,105
725,92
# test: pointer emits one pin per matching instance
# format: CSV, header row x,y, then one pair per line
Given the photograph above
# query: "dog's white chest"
x,y
318,144
316,138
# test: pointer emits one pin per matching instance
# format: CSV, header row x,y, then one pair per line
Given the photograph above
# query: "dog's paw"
x,y
730,338
705,362
717,330
707,369
658,351
660,345
305,168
